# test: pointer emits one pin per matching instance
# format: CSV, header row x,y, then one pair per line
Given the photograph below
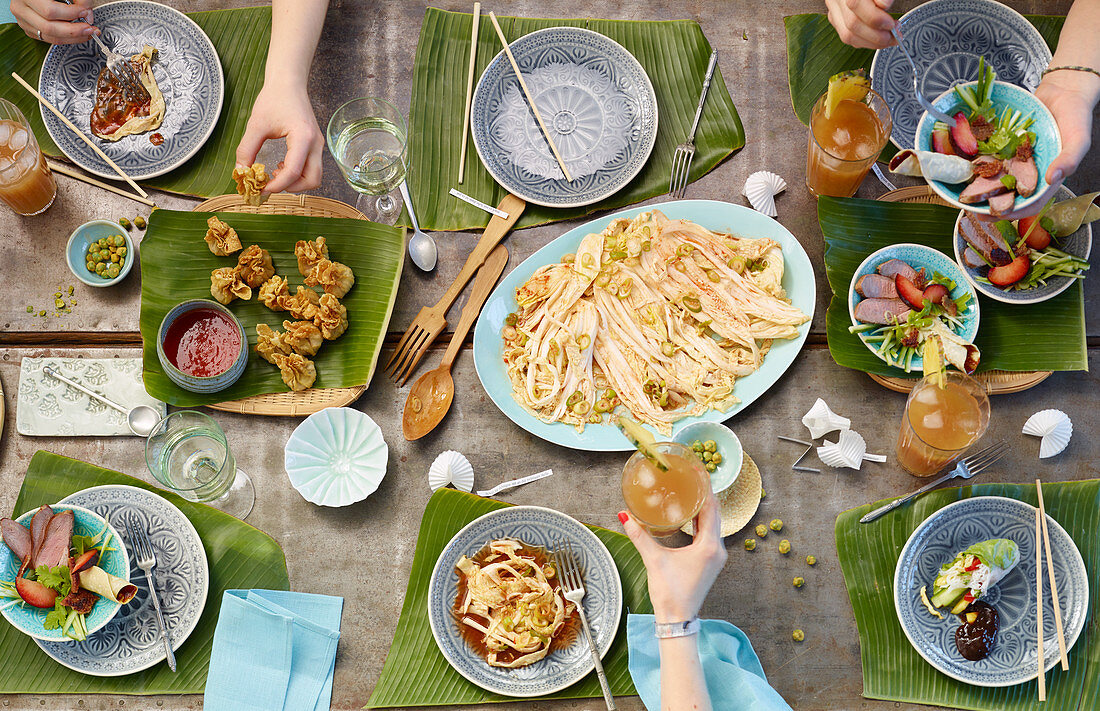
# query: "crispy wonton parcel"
x,y
269,342
333,277
254,265
226,285
331,318
221,238
251,182
309,252
298,371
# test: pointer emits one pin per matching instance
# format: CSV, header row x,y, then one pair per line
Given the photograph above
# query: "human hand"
x,y
1071,97
862,23
679,578
285,112
52,21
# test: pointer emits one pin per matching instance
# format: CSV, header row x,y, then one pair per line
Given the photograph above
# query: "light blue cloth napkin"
x,y
735,679
273,650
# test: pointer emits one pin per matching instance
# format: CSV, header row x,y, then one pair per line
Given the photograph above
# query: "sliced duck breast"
x,y
1026,174
892,267
17,537
39,521
983,237
876,286
972,258
982,189
1002,204
885,312
55,545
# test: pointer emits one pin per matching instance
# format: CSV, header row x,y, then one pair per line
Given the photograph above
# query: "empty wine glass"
x,y
368,138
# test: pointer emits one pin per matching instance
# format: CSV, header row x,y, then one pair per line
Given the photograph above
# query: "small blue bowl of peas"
x,y
719,450
100,253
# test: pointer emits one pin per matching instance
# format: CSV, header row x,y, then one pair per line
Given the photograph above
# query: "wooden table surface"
x,y
367,48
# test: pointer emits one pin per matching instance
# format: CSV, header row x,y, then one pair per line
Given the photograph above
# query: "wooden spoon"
x,y
432,393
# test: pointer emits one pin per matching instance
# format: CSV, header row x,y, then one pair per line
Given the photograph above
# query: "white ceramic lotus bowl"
x,y
336,457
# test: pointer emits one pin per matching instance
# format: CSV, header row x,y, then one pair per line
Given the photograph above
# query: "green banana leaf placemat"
x,y
240,36
815,53
673,54
417,674
893,670
176,266
1045,336
239,555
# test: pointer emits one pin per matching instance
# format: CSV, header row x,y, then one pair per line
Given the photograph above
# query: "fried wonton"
x,y
302,336
309,252
114,115
303,305
251,182
254,265
269,342
274,292
331,318
221,238
335,278
226,284
298,371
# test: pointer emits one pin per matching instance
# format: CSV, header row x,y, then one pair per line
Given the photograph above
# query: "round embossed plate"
x,y
541,527
942,27
187,71
596,101
131,641
956,527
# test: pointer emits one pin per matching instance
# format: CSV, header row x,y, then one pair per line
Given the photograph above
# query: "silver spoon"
x,y
938,115
141,419
421,246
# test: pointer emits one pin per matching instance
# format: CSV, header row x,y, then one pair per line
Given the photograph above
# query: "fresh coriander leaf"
x,y
82,544
48,576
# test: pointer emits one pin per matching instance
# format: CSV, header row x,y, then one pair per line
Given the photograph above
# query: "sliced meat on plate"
x,y
1002,204
882,311
892,267
876,286
981,190
1026,174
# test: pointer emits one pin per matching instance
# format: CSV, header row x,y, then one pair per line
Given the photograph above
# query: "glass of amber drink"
x,y
845,143
940,423
26,183
663,501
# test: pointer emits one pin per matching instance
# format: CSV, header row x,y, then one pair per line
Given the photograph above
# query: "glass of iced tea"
x,y
26,183
663,501
941,422
844,144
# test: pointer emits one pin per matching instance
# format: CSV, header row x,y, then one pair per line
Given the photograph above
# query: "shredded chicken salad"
x,y
510,601
655,315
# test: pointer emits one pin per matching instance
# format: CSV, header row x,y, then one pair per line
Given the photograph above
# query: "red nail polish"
x,y
622,517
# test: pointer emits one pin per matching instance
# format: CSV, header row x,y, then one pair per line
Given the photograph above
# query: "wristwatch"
x,y
666,630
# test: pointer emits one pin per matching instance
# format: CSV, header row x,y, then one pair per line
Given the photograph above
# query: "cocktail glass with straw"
x,y
664,484
188,453
368,138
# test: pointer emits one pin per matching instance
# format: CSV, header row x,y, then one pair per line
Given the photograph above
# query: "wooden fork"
x,y
431,320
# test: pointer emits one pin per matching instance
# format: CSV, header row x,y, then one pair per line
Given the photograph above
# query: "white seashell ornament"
x,y
451,467
761,188
820,420
1054,426
850,450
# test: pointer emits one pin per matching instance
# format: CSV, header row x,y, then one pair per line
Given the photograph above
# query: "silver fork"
x,y
938,115
572,585
965,469
147,560
124,72
685,152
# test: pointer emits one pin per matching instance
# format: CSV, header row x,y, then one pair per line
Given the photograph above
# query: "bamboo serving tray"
x,y
304,402
996,382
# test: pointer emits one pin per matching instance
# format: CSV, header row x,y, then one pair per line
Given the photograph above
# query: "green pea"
x,y
122,251
113,271
717,458
710,445
114,257
102,241
712,467
119,240
91,266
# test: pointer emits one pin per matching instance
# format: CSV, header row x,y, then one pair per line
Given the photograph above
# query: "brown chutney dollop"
x,y
975,639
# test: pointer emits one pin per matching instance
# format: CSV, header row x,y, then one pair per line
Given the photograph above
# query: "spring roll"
x,y
932,166
106,585
974,571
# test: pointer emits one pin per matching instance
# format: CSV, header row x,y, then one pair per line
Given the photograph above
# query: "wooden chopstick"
x,y
66,170
530,99
80,133
1053,583
1039,604
469,93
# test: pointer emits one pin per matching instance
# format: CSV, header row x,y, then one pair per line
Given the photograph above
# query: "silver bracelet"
x,y
668,630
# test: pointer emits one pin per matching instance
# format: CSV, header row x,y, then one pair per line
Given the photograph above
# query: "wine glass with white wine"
x,y
368,138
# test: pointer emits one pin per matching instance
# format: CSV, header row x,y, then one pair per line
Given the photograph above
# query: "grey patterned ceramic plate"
x,y
187,71
947,27
1013,659
597,102
536,526
131,642
1078,244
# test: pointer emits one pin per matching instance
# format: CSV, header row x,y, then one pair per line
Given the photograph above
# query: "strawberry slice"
x,y
1037,237
33,592
935,293
909,292
941,141
1010,273
963,136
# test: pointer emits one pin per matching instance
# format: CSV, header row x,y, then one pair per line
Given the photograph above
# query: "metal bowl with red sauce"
x,y
202,346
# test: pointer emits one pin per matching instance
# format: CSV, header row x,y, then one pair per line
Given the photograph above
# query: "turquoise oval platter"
x,y
29,619
1013,658
798,281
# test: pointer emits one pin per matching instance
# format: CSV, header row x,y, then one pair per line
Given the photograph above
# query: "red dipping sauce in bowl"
x,y
202,342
